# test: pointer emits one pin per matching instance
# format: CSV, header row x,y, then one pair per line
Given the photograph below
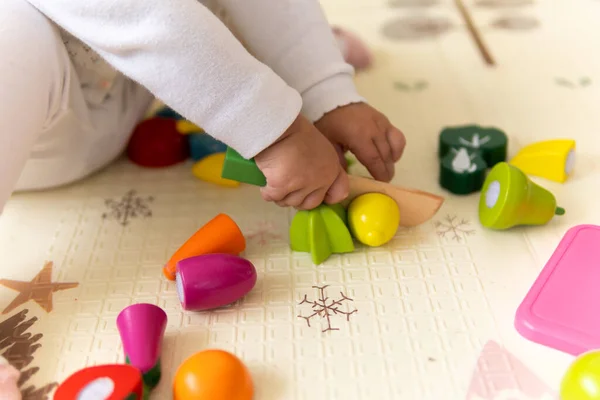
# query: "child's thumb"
x,y
339,189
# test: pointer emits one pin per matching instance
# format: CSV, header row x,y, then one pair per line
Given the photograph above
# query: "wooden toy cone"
x,y
219,235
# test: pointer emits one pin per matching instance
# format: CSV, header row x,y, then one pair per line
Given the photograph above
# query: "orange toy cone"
x,y
219,235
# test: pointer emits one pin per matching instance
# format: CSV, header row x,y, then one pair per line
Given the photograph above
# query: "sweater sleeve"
x,y
187,58
294,38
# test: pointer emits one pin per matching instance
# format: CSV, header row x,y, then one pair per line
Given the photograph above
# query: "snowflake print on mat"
x,y
454,229
326,310
263,234
128,207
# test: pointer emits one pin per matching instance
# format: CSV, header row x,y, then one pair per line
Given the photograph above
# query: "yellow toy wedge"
x,y
551,159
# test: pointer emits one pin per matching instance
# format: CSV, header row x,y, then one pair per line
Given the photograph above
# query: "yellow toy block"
x,y
186,127
551,159
209,169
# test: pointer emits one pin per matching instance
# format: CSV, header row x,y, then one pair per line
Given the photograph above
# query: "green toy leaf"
x,y
340,211
299,232
338,235
320,248
491,143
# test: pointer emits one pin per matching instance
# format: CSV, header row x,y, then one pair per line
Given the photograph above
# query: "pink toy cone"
x,y
142,328
213,280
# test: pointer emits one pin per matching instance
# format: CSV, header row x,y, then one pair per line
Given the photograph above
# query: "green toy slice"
x,y
462,171
299,232
320,249
338,235
237,168
340,211
321,232
492,143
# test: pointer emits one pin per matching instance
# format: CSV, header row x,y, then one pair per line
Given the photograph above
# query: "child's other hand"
x,y
368,134
302,169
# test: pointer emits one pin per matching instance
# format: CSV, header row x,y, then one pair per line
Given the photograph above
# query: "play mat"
x,y
429,316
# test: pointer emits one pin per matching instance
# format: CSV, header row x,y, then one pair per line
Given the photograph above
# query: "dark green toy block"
x,y
491,143
462,171
237,168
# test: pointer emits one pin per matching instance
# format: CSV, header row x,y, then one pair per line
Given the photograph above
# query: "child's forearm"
x,y
294,38
187,58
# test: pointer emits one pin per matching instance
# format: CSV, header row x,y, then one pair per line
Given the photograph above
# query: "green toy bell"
x,y
508,198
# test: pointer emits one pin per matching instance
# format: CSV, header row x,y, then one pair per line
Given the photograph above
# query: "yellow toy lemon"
x,y
373,218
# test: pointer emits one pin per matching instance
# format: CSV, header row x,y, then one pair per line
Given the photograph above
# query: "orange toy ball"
x,y
213,375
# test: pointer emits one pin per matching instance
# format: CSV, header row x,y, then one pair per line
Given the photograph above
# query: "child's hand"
x,y
368,134
302,169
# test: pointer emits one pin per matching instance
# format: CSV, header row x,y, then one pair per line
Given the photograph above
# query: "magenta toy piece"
x,y
142,327
213,280
561,307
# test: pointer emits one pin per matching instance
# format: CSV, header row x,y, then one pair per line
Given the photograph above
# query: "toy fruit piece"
x,y
509,198
373,219
321,232
462,171
168,112
186,127
219,235
213,281
156,143
491,143
240,169
213,375
209,169
553,159
106,382
416,206
582,379
202,145
142,328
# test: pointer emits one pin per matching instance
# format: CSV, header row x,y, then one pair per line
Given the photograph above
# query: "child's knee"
x,y
34,58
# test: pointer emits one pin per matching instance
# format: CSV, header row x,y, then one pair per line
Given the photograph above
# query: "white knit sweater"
x,y
183,53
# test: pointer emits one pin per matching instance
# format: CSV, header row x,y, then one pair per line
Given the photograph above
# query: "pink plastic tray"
x,y
562,308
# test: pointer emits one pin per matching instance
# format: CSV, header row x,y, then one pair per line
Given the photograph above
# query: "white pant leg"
x,y
49,134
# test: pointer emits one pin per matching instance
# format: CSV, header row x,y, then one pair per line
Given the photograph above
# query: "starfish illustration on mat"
x,y
39,289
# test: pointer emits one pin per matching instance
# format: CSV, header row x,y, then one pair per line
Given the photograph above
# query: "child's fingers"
x,y
341,156
366,152
397,142
294,199
385,151
313,200
270,193
339,189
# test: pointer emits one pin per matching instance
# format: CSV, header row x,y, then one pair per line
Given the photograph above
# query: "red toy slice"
x,y
156,143
103,382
